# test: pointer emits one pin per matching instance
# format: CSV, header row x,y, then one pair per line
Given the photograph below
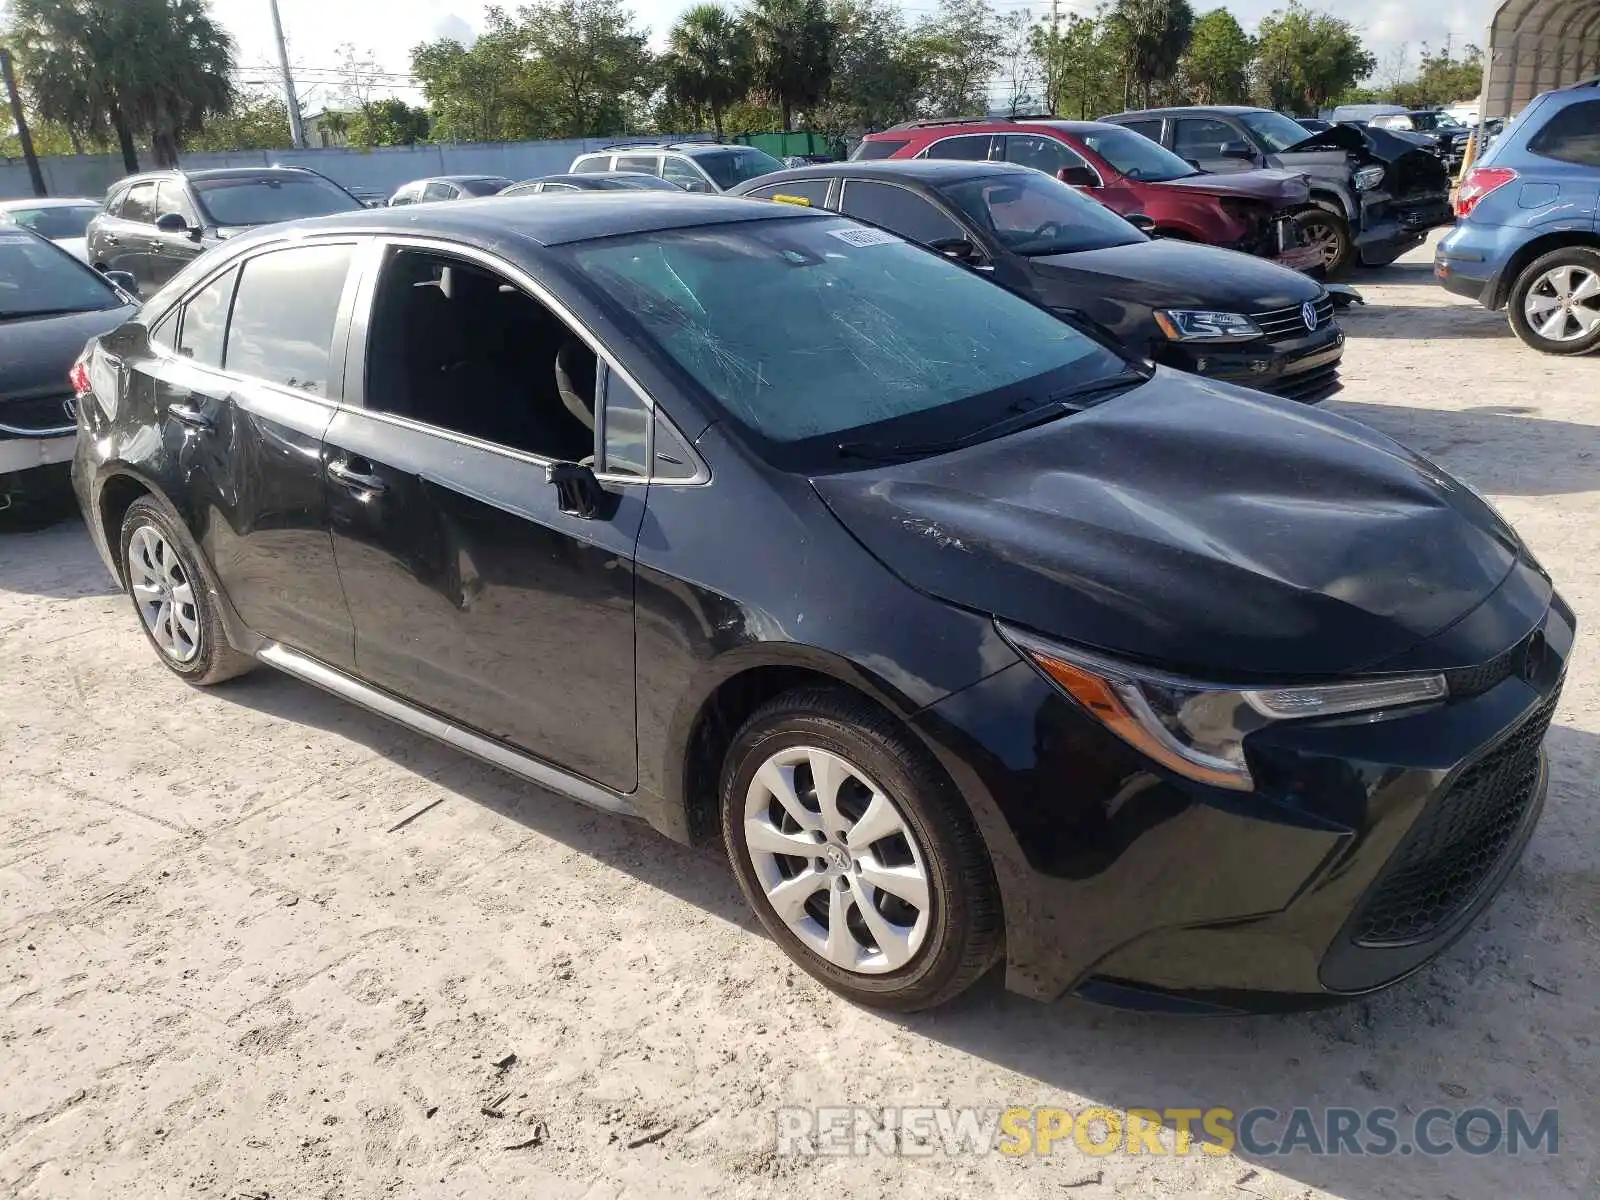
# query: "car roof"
x,y
223,173
47,202
1191,109
957,128
451,179
549,219
689,148
920,170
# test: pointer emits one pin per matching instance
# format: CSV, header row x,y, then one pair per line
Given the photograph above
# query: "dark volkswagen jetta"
x,y
970,639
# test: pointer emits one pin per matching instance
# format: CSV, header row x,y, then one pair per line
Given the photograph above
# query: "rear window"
x,y
873,148
56,221
263,199
38,279
1572,135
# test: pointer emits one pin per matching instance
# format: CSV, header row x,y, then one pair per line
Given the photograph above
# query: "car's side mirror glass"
x,y
578,492
957,248
1078,177
123,280
172,222
1240,150
1143,223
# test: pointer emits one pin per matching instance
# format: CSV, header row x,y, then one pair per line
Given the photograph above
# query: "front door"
x,y
171,252
243,377
124,239
473,593
1215,145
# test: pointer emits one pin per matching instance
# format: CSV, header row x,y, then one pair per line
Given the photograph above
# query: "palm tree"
x,y
151,67
793,43
708,61
1155,35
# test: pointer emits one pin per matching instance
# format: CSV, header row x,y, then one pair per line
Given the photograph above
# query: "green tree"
x,y
708,62
1080,64
1017,65
484,94
390,122
1304,59
875,76
1442,79
959,49
793,52
1216,69
259,120
593,65
1155,35
49,137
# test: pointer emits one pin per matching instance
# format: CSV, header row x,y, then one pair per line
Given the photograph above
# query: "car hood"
x,y
1381,145
36,353
1208,528
1283,187
1168,273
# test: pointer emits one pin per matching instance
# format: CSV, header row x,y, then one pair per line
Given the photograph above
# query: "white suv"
x,y
693,166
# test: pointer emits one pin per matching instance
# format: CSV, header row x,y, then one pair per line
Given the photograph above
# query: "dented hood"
x,y
1380,145
1208,528
1284,189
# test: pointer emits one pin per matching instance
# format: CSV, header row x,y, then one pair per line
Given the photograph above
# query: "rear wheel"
x,y
1554,305
856,853
1329,235
175,597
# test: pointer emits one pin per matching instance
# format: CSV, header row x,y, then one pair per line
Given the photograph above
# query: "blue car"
x,y
1527,235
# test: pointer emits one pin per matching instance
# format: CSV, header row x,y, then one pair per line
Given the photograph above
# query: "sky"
x,y
388,29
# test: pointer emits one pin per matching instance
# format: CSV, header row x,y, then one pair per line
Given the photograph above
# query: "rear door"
x,y
245,374
171,252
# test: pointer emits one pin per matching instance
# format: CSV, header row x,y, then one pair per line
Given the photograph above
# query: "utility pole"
x,y
23,136
297,131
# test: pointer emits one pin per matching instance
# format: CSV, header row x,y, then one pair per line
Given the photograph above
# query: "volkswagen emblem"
x,y
1308,314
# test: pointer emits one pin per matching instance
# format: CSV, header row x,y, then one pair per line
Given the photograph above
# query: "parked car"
x,y
448,187
1376,196
1441,132
1253,212
1527,238
1362,114
50,305
62,219
807,160
153,225
617,181
1312,124
705,167
1213,312
969,636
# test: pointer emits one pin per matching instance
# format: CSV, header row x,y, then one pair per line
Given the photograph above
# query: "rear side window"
x,y
1572,135
645,164
438,191
898,209
1150,129
814,191
205,321
971,147
283,317
879,148
140,204
598,165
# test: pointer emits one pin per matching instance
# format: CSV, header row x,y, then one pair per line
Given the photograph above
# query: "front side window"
x,y
1136,156
1572,135
859,333
1034,214
675,170
38,279
1274,130
170,198
730,167
899,209
203,325
1202,137
284,314
969,147
260,200
140,204
1041,153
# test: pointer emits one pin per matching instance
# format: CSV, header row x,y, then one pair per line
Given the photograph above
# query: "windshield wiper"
x,y
1022,416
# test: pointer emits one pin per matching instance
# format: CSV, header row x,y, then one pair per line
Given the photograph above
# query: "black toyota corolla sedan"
x,y
970,638
1214,312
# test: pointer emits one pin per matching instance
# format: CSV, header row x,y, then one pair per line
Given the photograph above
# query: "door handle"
x,y
191,417
362,481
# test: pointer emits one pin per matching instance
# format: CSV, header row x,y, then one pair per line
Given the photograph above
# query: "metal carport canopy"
x,y
1536,45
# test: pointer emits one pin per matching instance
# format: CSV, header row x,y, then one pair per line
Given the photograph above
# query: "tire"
x,y
1538,292
1319,226
932,953
161,564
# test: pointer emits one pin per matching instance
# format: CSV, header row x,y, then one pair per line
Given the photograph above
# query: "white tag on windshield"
x,y
862,236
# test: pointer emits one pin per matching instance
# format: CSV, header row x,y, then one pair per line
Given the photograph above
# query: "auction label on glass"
x,y
864,236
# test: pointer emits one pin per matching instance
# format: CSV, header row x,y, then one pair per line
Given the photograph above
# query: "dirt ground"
x,y
256,943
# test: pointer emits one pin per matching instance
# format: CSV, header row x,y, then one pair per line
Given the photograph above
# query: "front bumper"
x,y
1304,369
1366,849
19,454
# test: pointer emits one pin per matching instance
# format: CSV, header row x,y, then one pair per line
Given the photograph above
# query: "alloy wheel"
x,y
1563,304
837,861
163,594
1321,236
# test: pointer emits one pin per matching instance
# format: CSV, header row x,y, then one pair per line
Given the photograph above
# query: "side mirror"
x,y
1144,224
1239,150
959,249
123,280
1078,177
696,185
173,222
578,492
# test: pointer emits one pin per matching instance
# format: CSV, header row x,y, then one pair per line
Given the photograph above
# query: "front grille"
x,y
1311,385
37,412
1281,324
1465,682
1457,842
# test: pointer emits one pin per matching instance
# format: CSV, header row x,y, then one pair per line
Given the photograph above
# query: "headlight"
x,y
1368,178
1198,729
1196,325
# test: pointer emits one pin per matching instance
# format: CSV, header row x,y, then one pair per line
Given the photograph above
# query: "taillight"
x,y
1480,181
78,377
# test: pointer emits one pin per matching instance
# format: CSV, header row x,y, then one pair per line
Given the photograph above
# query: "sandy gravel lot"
x,y
230,966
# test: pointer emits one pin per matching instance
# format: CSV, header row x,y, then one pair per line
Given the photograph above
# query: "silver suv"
x,y
693,166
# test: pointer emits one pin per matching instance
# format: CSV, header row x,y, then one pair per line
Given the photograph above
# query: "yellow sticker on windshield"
x,y
800,200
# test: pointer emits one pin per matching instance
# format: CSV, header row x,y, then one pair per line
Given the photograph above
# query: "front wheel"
x,y
1329,235
856,853
1554,305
